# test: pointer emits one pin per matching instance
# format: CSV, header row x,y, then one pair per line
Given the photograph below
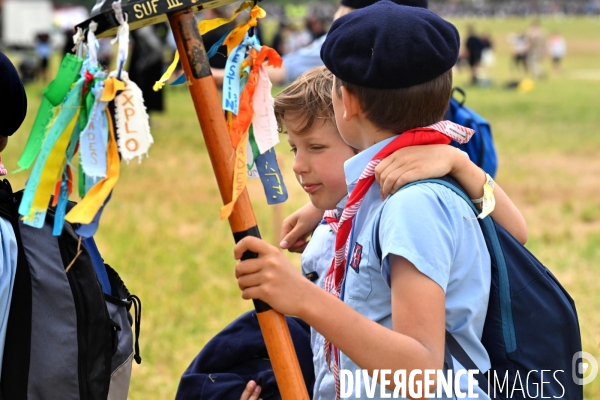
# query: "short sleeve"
x,y
417,223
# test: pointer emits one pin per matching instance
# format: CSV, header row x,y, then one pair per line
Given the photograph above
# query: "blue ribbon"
x,y
271,177
231,80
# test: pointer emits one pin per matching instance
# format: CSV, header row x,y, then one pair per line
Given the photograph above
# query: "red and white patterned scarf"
x,y
441,133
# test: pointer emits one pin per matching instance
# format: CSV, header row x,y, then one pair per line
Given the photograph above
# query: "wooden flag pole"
x,y
242,221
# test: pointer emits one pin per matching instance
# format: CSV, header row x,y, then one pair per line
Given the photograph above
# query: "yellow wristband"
x,y
488,200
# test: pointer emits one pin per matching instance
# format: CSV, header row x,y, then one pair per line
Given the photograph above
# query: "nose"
x,y
300,163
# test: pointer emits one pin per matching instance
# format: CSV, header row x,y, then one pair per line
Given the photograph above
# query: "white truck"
x,y
23,20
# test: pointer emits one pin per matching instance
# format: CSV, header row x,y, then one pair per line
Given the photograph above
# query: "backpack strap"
x,y
456,351
452,347
17,344
7,203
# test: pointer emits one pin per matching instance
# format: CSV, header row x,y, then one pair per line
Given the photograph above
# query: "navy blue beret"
x,y
364,3
13,101
389,46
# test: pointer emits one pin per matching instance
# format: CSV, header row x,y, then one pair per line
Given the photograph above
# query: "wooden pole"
x,y
242,221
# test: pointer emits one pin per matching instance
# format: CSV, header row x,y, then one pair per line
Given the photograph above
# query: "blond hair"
x,y
310,97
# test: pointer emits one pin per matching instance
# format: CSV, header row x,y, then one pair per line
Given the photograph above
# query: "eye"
x,y
293,150
316,147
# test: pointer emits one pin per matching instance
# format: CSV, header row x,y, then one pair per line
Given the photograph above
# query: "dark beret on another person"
x,y
365,3
13,106
389,46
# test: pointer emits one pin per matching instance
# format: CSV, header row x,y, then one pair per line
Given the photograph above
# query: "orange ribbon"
x,y
236,36
241,123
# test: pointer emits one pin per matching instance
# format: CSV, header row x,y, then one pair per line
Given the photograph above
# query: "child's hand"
x,y
251,392
270,277
296,228
415,163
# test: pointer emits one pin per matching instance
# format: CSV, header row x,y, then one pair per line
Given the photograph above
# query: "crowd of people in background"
x,y
515,8
530,47
301,29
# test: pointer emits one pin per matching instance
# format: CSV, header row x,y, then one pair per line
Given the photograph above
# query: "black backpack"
x,y
531,323
67,338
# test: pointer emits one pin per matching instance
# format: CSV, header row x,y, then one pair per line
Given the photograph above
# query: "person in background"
x,y
536,48
43,50
519,51
557,47
316,26
146,64
279,37
475,47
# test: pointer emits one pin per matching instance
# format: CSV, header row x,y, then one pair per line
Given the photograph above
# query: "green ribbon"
x,y
81,186
254,146
54,94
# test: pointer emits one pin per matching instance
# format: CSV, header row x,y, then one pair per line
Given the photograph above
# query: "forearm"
x,y
472,179
370,345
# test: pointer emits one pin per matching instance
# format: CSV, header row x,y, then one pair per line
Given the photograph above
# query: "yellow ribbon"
x,y
167,75
53,169
236,36
86,210
209,25
240,176
111,87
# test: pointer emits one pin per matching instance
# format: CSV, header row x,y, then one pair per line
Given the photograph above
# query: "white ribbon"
x,y
92,45
94,138
263,120
122,36
132,122
78,40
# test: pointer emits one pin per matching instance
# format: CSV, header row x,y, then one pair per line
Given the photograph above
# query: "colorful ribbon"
x,y
239,32
84,212
53,96
51,160
242,121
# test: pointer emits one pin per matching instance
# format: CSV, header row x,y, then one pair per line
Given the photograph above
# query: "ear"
x,y
351,104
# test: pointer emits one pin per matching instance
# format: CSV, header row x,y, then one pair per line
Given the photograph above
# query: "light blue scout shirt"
x,y
317,257
437,232
8,268
303,59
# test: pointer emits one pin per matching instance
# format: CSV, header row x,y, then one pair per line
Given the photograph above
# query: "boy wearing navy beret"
x,y
407,269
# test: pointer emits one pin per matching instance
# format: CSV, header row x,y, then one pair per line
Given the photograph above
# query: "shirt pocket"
x,y
358,275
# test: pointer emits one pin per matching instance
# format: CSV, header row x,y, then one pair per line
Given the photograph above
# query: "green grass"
x,y
162,232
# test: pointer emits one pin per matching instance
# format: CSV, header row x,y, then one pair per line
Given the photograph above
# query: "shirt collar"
x,y
339,208
355,166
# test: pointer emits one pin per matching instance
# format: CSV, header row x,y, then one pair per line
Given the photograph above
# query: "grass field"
x,y
162,231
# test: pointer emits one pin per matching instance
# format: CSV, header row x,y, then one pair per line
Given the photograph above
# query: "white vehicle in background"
x,y
23,20
32,30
